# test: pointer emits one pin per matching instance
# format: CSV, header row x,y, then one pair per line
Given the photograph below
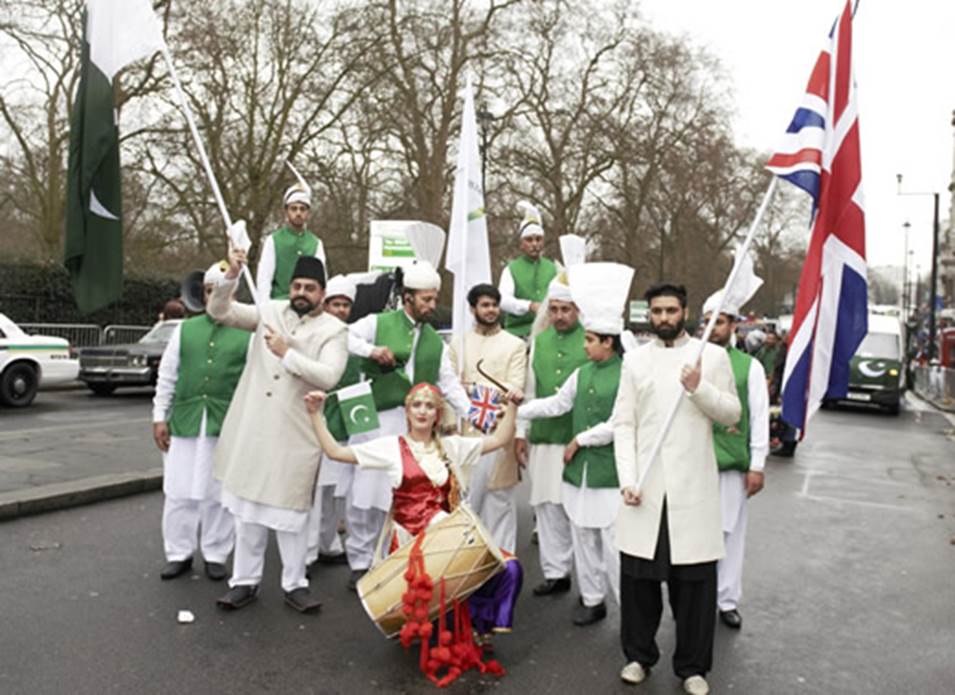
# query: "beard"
x,y
487,322
301,306
667,332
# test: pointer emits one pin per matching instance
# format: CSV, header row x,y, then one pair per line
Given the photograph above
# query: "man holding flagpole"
x,y
268,457
741,452
668,528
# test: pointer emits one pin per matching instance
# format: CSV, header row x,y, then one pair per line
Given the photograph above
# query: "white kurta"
x,y
587,507
686,473
265,271
268,456
733,483
187,466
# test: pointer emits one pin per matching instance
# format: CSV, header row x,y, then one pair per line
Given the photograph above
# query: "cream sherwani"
x,y
686,473
492,484
268,454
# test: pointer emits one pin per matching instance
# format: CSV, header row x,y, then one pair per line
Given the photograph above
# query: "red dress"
x,y
416,500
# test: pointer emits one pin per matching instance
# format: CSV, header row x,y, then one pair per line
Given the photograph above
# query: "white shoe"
x,y
633,673
696,685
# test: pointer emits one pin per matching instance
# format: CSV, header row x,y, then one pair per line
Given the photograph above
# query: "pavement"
x,y
848,588
71,447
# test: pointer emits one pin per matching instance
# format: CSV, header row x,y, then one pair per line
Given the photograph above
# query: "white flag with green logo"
x,y
358,408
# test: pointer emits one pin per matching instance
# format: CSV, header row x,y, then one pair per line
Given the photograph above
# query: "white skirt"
x,y
732,497
187,466
545,466
277,518
590,507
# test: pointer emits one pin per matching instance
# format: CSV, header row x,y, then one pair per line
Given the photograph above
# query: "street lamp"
x,y
934,280
905,273
485,118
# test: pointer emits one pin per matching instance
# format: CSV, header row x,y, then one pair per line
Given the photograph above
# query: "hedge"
x,y
42,294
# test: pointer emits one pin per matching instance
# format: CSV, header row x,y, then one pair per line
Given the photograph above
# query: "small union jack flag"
x,y
485,403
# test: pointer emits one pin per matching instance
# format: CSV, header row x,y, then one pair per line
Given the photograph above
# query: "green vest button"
x,y
209,361
212,343
299,253
558,370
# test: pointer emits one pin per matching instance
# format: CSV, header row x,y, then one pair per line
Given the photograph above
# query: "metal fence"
x,y
937,384
87,334
115,335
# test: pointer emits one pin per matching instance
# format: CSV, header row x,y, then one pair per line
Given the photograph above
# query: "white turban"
x,y
215,274
421,275
711,304
600,291
559,290
531,224
340,286
298,194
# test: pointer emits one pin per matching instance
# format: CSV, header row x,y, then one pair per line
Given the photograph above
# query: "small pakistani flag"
x,y
115,33
358,408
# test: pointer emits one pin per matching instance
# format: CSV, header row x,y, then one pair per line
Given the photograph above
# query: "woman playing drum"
x,y
425,470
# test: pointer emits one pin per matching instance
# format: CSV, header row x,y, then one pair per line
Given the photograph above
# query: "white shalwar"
x,y
496,508
733,492
327,510
368,496
192,517
591,511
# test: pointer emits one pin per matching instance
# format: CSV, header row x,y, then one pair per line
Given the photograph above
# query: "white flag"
x,y
120,32
468,256
745,284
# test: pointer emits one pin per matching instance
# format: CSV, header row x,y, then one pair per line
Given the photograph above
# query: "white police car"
x,y
26,361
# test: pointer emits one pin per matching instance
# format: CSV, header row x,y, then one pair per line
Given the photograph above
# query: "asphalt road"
x,y
848,589
71,434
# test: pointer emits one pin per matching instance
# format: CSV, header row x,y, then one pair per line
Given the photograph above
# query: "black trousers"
x,y
692,592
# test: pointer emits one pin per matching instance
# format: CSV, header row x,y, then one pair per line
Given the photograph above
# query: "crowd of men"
x,y
241,457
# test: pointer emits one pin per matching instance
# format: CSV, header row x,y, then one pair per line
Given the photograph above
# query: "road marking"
x,y
863,503
19,434
805,483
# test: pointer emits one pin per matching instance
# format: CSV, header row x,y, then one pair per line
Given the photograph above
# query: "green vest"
x,y
333,412
289,246
211,359
556,356
597,384
531,279
390,385
732,443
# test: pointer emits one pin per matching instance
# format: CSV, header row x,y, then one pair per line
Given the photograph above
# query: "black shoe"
x,y
534,539
732,619
353,579
174,568
337,559
588,615
552,586
216,571
238,596
301,599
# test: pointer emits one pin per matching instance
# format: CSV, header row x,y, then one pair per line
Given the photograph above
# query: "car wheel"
x,y
102,389
18,385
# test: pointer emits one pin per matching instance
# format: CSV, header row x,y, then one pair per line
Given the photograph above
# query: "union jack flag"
x,y
820,154
485,402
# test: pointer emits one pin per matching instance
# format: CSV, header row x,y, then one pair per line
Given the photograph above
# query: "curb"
x,y
49,498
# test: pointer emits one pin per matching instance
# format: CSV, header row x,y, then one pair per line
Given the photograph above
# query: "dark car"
x,y
107,367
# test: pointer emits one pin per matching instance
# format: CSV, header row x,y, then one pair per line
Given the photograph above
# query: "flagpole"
x,y
710,324
216,192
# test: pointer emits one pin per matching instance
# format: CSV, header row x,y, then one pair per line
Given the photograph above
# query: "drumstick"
x,y
490,378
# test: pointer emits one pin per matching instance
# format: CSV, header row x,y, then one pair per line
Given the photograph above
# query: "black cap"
x,y
311,268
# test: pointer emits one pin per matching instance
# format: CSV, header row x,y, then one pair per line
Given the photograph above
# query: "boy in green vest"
x,y
589,489
555,353
334,477
741,453
525,279
199,371
399,348
282,248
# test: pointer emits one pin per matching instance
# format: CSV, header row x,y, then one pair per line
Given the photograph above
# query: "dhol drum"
x,y
457,549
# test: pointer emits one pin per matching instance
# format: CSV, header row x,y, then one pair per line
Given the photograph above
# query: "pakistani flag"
x,y
116,33
358,408
468,256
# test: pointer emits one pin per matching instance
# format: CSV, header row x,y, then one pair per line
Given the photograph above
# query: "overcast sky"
x,y
904,62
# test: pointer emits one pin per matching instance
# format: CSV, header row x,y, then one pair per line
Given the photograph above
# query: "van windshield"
x,y
880,345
